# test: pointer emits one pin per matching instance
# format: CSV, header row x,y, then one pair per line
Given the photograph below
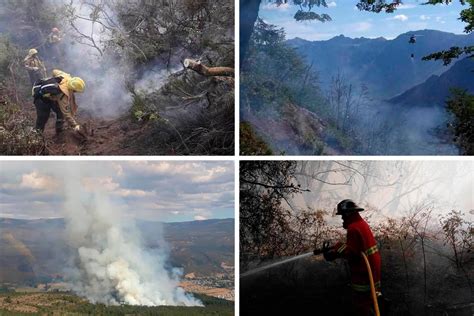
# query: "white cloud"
x,y
274,6
133,193
424,17
332,4
100,183
406,6
400,17
200,218
109,185
118,168
209,174
155,190
35,180
195,172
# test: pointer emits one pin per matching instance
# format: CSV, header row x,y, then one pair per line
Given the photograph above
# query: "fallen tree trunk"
x,y
208,71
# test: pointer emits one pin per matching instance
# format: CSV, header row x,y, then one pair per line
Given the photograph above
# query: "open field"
x,y
64,303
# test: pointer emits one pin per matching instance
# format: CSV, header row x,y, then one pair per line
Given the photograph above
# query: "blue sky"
x,y
162,191
349,21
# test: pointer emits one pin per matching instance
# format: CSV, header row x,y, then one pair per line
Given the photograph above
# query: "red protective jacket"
x,y
360,239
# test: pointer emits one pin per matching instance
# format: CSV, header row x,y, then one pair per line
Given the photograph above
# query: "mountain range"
x,y
384,66
33,250
436,89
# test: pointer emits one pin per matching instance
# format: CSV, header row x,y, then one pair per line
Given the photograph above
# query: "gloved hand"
x,y
77,128
325,248
35,68
330,255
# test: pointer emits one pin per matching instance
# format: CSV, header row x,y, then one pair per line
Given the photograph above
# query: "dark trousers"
x,y
43,109
34,76
362,304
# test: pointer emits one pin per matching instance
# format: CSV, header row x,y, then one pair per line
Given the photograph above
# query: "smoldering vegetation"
x,y
421,214
298,109
126,52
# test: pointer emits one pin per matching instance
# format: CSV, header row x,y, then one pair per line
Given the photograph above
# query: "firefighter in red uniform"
x,y
359,239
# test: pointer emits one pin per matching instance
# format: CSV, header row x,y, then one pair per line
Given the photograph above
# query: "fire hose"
x,y
318,252
372,285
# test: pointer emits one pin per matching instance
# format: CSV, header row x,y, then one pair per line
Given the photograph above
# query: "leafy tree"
x,y
467,16
461,105
275,71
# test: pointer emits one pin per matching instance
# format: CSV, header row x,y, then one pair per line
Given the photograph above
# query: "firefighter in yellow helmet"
x,y
34,66
57,94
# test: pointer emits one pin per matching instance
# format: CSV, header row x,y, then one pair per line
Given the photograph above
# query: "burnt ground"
x,y
104,137
114,136
315,287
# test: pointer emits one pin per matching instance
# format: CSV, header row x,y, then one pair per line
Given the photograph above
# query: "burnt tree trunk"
x,y
248,16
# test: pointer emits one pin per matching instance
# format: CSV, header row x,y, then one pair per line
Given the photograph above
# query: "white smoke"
x,y
155,78
91,52
110,264
105,72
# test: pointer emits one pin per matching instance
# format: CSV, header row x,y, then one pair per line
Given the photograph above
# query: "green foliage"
x,y
378,5
17,136
448,55
461,105
139,110
68,304
29,21
251,144
276,80
274,72
7,52
301,15
467,16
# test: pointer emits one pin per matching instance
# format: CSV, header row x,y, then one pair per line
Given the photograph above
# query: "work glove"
x,y
35,68
324,249
77,128
329,253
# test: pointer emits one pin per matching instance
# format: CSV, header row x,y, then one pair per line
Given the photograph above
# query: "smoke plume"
x,y
20,247
110,264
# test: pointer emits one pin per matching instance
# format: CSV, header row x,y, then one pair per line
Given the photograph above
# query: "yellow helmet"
x,y
57,73
76,84
32,52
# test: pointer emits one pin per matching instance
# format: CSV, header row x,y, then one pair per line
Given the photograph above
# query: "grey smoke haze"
x,y
111,265
108,76
388,188
404,131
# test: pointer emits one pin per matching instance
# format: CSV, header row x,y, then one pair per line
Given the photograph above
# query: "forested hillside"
x,y
158,76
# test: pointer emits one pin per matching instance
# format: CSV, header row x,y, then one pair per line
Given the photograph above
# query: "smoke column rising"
x,y
111,265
